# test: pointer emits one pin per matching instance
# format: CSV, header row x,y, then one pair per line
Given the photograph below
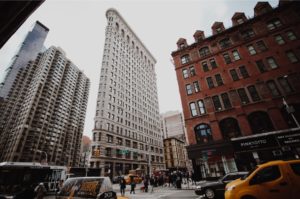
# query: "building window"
x,y
203,133
273,24
226,100
272,63
109,138
251,50
219,80
185,59
279,39
244,71
236,55
229,128
204,51
196,87
224,43
193,109
247,34
189,90
127,143
205,66
213,63
260,122
227,58
261,46
234,75
261,66
201,105
292,57
119,141
192,71
210,82
185,73
108,152
290,35
253,93
217,103
285,85
243,96
273,88
240,20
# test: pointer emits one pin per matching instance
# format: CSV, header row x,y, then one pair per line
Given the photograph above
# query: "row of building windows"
x,y
223,101
252,49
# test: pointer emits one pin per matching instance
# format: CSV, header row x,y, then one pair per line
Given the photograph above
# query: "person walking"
x,y
40,191
146,184
122,186
132,184
152,183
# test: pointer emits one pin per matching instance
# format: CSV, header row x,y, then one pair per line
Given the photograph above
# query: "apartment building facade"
x,y
240,90
45,110
127,133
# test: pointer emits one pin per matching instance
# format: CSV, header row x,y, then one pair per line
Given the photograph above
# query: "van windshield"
x,y
81,187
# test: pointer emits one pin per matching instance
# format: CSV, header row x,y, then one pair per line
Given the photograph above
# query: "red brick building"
x,y
232,85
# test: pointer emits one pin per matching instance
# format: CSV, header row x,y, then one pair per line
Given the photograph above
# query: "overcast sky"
x,y
78,27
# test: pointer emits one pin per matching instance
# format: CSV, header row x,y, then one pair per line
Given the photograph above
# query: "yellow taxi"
x,y
275,179
129,177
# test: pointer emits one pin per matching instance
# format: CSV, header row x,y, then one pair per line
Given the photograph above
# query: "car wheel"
x,y
209,193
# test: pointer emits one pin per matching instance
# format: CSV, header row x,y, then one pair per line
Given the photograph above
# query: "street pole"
x,y
288,109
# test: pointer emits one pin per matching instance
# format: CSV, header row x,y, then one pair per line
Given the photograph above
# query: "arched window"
x,y
185,59
117,26
260,122
203,133
229,128
123,33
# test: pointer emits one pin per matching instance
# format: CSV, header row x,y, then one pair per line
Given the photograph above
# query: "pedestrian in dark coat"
x,y
122,186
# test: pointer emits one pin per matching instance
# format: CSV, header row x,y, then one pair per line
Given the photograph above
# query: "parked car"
x,y
275,179
137,179
87,187
216,189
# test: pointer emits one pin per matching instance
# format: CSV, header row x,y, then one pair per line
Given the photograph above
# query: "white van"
x,y
87,187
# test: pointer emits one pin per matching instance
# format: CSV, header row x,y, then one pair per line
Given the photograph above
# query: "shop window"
x,y
260,122
230,128
203,133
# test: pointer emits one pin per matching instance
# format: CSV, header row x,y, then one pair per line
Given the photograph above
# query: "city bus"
x,y
16,176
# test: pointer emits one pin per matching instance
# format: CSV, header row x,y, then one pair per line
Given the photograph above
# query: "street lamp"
x,y
290,110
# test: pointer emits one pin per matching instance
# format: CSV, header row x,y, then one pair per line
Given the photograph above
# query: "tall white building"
x,y
44,114
127,123
173,124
